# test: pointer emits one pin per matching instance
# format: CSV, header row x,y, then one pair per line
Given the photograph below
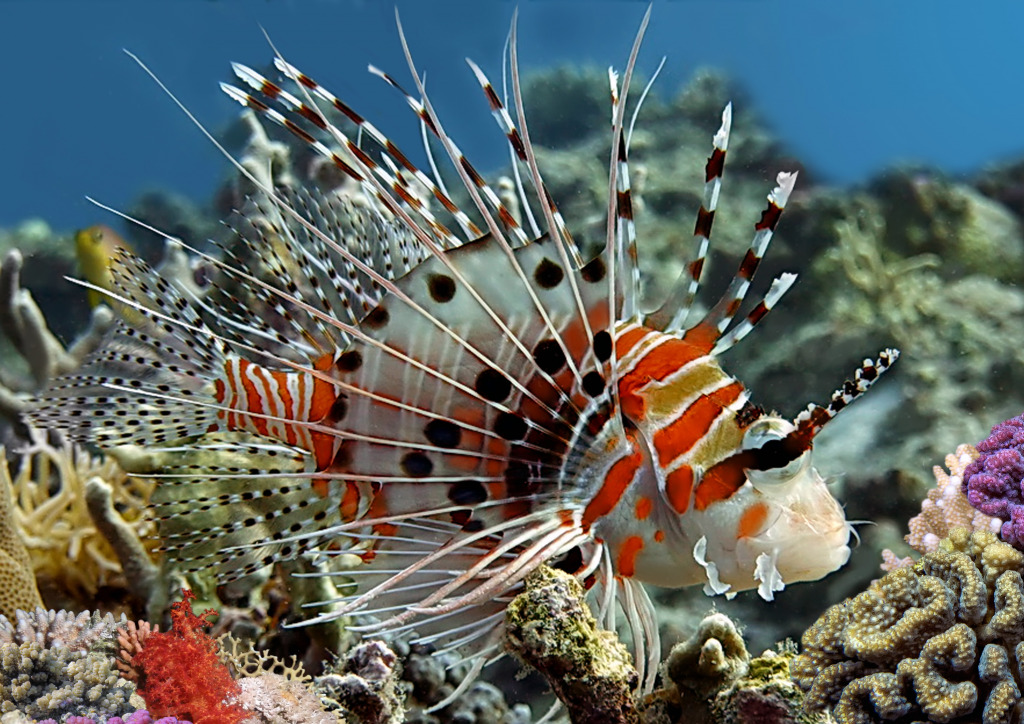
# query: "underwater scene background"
x,y
905,228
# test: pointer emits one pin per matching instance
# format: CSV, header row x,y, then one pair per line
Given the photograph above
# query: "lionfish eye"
x,y
763,438
765,430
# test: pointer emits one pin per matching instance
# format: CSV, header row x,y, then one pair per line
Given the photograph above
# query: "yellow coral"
x,y
67,550
18,589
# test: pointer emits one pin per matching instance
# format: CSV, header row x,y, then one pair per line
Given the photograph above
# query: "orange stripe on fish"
x,y
680,435
621,473
628,551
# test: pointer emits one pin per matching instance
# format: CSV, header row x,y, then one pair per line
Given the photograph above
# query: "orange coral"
x,y
180,675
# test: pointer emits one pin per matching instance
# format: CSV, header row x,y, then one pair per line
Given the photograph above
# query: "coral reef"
x,y
364,686
945,508
72,556
180,673
25,327
550,627
53,664
938,640
711,679
994,483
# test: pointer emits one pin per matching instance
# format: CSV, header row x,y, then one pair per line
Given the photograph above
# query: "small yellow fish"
x,y
95,248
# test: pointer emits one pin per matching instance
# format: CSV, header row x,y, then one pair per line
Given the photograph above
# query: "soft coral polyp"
x,y
181,675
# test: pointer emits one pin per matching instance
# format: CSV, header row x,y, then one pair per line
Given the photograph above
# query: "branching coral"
x,y
940,640
70,555
994,483
945,508
26,328
52,664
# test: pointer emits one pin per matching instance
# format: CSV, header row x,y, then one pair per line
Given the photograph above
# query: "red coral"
x,y
180,674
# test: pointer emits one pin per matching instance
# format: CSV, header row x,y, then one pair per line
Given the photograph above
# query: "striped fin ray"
x,y
382,193
217,498
721,315
167,349
620,243
486,199
671,315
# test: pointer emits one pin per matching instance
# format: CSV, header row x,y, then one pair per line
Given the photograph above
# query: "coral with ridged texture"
x,y
994,483
180,674
938,641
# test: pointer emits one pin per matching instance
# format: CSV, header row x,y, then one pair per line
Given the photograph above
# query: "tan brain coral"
x,y
940,640
18,589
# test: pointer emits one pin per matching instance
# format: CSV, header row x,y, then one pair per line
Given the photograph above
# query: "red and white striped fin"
x,y
671,315
722,313
620,241
778,287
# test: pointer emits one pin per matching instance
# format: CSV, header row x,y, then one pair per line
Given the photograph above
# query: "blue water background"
x,y
849,87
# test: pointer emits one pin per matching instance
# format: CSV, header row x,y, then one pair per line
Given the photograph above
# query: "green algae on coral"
x,y
550,627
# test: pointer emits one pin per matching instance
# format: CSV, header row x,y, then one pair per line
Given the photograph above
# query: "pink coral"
x,y
946,507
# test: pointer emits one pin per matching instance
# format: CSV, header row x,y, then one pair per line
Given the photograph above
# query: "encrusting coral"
x,y
711,679
18,590
945,508
940,640
365,685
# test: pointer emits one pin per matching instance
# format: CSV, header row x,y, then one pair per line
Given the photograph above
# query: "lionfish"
x,y
457,396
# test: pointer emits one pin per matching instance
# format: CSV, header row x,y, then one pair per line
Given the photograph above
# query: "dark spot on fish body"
x,y
510,426
349,361
603,346
377,319
549,356
593,383
339,408
548,274
441,288
417,465
493,385
594,271
467,492
443,433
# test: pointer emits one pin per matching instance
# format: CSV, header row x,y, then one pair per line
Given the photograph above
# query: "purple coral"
x,y
994,483
136,717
